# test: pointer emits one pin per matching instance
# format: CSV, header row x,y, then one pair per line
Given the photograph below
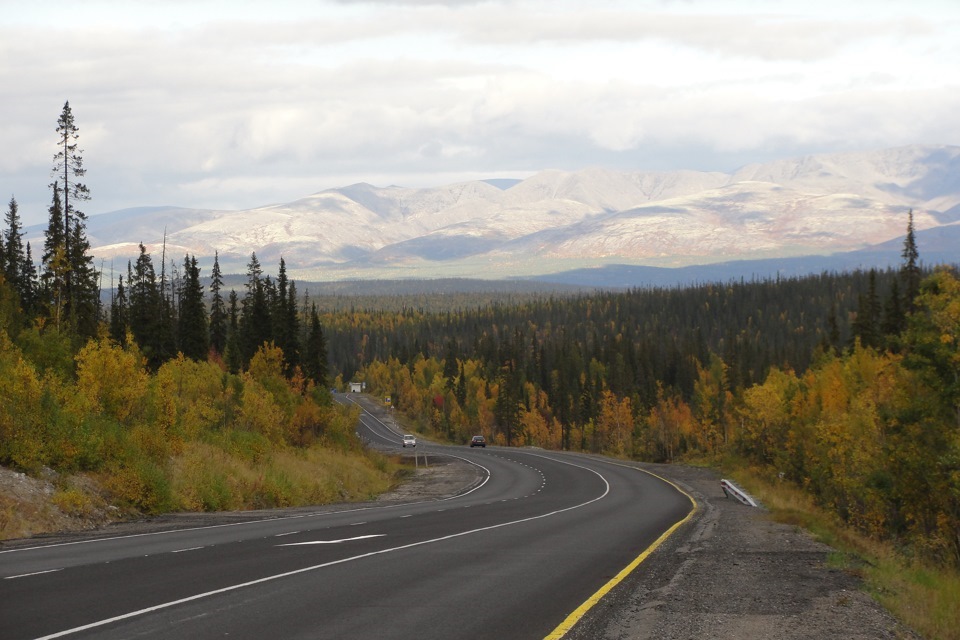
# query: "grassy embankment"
x,y
235,471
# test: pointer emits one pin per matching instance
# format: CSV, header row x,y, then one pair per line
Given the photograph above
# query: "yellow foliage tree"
x,y
615,423
669,426
766,416
189,397
111,380
22,432
259,412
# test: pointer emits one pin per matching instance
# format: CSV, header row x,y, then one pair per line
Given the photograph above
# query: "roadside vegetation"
x,y
190,436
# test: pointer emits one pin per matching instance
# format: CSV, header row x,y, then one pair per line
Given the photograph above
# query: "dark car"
x,y
478,441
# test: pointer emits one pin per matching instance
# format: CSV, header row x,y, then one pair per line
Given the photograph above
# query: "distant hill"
x,y
633,228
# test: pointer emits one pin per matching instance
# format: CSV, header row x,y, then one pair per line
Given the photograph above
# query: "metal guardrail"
x,y
730,489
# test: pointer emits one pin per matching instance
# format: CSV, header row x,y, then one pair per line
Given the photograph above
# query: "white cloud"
x,y
228,104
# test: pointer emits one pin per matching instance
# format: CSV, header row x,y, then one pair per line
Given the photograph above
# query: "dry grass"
x,y
206,478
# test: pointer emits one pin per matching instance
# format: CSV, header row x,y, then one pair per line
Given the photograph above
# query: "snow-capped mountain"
x,y
556,220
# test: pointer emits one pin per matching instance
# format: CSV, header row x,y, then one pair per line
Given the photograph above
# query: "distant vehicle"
x,y
478,441
409,441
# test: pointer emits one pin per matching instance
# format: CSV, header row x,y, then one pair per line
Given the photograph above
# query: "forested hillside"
x,y
846,384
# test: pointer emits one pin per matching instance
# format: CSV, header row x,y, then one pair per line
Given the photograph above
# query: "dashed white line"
x,y
299,544
35,573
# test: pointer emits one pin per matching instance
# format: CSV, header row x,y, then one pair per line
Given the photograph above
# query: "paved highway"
x,y
513,557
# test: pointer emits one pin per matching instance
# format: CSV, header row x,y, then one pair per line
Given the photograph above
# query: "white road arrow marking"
x,y
297,544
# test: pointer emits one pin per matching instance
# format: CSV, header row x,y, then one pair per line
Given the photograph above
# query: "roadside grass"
x,y
922,596
205,477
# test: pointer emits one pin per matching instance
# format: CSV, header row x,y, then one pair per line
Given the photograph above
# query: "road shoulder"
x,y
731,572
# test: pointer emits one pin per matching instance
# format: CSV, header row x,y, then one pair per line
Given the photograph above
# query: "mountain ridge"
x,y
560,221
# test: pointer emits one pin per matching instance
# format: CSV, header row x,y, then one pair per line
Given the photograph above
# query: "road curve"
x,y
512,558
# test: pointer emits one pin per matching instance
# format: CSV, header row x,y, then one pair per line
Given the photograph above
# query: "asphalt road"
x,y
511,558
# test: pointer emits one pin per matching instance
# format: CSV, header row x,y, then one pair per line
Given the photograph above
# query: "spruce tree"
x,y
29,286
84,309
894,319
118,315
81,289
910,269
218,310
461,390
194,339
11,247
255,321
146,308
53,280
866,326
286,324
315,364
233,351
292,330
450,365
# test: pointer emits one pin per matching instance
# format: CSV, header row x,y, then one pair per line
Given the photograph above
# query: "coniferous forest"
x,y
845,384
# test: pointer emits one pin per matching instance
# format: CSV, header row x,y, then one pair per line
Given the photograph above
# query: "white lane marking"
x,y
182,550
298,544
35,573
207,594
288,533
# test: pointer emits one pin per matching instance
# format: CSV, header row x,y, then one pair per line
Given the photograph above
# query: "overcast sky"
x,y
232,104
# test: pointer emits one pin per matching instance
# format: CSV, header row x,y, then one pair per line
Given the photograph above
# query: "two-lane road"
x,y
512,558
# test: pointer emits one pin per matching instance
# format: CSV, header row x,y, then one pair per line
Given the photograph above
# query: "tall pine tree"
x,y
11,246
255,321
218,310
118,314
315,364
910,269
53,280
145,308
194,340
70,286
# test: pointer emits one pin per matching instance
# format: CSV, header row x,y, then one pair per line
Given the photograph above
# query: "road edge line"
x,y
564,627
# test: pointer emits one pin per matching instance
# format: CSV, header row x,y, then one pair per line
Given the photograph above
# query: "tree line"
x,y
166,314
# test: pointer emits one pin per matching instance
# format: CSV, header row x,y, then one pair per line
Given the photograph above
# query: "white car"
x,y
409,441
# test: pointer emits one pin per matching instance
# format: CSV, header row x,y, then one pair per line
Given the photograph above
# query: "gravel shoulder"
x,y
731,572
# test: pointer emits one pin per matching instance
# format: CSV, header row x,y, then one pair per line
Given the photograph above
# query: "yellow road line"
x,y
582,610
